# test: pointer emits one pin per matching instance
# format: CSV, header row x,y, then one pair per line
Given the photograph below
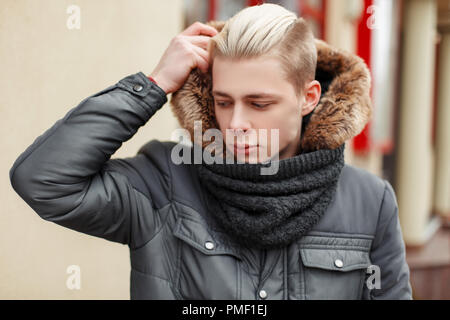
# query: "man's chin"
x,y
248,160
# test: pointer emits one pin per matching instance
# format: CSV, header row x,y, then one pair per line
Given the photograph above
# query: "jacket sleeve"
x,y
388,253
67,177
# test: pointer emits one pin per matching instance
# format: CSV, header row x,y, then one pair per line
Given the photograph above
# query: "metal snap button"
x,y
262,294
338,263
209,245
138,87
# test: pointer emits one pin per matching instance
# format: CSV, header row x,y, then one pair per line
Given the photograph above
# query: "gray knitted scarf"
x,y
271,211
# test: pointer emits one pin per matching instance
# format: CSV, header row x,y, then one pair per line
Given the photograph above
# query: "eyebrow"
x,y
252,95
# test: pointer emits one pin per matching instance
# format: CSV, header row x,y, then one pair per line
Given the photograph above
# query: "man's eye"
x,y
222,104
260,105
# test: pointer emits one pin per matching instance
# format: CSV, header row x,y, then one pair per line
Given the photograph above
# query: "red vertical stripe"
x,y
254,2
318,15
362,142
212,7
324,19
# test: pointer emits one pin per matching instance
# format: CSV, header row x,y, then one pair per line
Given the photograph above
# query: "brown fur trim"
x,y
342,112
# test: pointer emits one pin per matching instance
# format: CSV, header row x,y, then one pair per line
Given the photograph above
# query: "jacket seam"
x,y
239,281
170,202
355,266
135,189
361,288
151,203
199,248
178,268
361,236
41,143
267,275
303,280
371,295
175,290
156,232
371,292
335,247
381,206
388,220
142,104
188,217
149,274
285,280
166,151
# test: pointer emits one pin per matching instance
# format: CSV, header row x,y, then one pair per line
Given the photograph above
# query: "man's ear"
x,y
311,96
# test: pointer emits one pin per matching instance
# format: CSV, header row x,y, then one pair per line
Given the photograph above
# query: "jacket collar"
x,y
343,110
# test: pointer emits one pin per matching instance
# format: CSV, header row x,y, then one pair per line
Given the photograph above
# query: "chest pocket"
x,y
334,267
208,265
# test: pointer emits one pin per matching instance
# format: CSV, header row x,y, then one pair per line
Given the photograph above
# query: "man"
x,y
315,229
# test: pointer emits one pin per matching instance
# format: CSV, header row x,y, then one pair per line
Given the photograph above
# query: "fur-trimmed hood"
x,y
343,110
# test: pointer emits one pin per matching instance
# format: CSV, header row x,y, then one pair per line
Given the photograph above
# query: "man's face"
x,y
252,94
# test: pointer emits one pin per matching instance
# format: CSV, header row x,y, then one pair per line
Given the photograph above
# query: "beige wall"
x,y
46,69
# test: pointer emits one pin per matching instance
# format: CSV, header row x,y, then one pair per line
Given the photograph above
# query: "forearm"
x,y
61,160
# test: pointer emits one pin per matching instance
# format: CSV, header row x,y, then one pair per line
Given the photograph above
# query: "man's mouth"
x,y
244,146
244,149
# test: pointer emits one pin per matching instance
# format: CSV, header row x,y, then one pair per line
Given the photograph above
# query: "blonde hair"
x,y
269,29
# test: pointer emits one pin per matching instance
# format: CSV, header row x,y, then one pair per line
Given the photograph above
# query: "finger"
x,y
202,58
200,41
198,28
201,52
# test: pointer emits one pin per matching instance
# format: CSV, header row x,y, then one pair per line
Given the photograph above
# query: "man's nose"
x,y
240,120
